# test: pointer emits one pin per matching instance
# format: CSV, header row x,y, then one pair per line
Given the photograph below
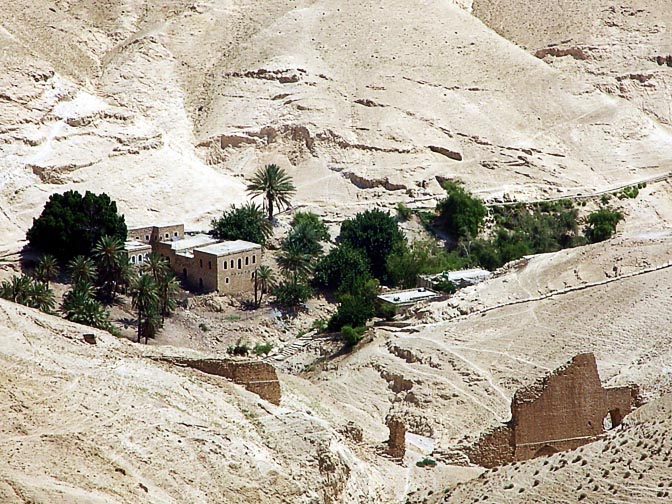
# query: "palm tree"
x,y
274,184
264,277
169,286
124,273
108,253
306,237
145,297
46,269
40,296
294,260
81,269
156,266
17,289
80,306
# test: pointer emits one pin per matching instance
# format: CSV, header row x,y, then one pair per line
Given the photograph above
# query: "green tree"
x,y
305,237
460,213
80,305
264,278
274,184
341,268
376,234
27,291
108,254
71,224
291,294
602,224
356,307
47,269
294,261
422,257
81,269
145,299
247,222
314,221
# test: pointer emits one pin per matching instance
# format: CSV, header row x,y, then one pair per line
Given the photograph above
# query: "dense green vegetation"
x,y
421,257
71,224
246,222
460,213
376,234
28,291
602,224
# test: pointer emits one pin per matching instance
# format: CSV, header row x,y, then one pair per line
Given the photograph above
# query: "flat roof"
x,y
468,274
408,296
162,224
135,244
228,247
190,242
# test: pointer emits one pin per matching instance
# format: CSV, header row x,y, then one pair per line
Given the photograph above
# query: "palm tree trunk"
x,y
270,207
139,325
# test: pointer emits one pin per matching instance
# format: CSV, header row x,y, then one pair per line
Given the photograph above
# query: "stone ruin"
x,y
257,377
396,444
561,411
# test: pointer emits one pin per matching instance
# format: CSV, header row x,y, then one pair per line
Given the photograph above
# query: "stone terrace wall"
x,y
493,448
255,376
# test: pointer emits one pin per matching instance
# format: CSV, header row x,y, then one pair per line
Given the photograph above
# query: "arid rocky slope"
x,y
167,105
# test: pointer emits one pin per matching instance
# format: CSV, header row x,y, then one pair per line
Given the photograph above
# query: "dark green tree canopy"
x,y
376,234
71,224
340,269
247,222
274,184
460,213
311,220
602,224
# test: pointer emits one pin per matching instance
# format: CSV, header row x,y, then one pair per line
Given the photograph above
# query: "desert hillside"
x,y
169,107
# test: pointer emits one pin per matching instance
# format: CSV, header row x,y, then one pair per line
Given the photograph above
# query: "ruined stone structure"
x,y
396,444
257,377
562,411
203,263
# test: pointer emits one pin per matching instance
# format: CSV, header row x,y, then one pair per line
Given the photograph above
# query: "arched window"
x,y
209,264
247,260
240,263
200,262
132,259
227,280
254,259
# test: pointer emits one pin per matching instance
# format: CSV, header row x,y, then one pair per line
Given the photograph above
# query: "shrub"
x,y
203,327
240,348
460,213
445,286
376,234
426,462
403,211
602,224
290,294
263,348
247,222
351,335
319,325
71,224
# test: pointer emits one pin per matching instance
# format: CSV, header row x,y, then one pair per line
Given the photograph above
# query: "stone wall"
x,y
562,411
255,376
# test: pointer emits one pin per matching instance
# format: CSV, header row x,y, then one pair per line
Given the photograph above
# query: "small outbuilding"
x,y
403,300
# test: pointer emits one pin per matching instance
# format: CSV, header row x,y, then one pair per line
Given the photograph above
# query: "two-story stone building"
x,y
204,263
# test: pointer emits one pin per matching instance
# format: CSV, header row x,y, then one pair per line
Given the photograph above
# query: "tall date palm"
x,y
274,184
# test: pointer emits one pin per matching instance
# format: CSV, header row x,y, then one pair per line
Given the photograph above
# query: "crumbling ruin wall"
x,y
396,444
493,448
255,376
562,411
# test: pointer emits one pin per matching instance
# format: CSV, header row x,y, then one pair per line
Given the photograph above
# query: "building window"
x,y
132,259
139,258
146,237
247,260
175,233
225,263
240,263
209,264
167,236
227,280
231,263
254,259
200,262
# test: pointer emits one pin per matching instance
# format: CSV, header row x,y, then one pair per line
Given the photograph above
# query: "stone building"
x,y
562,411
202,262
